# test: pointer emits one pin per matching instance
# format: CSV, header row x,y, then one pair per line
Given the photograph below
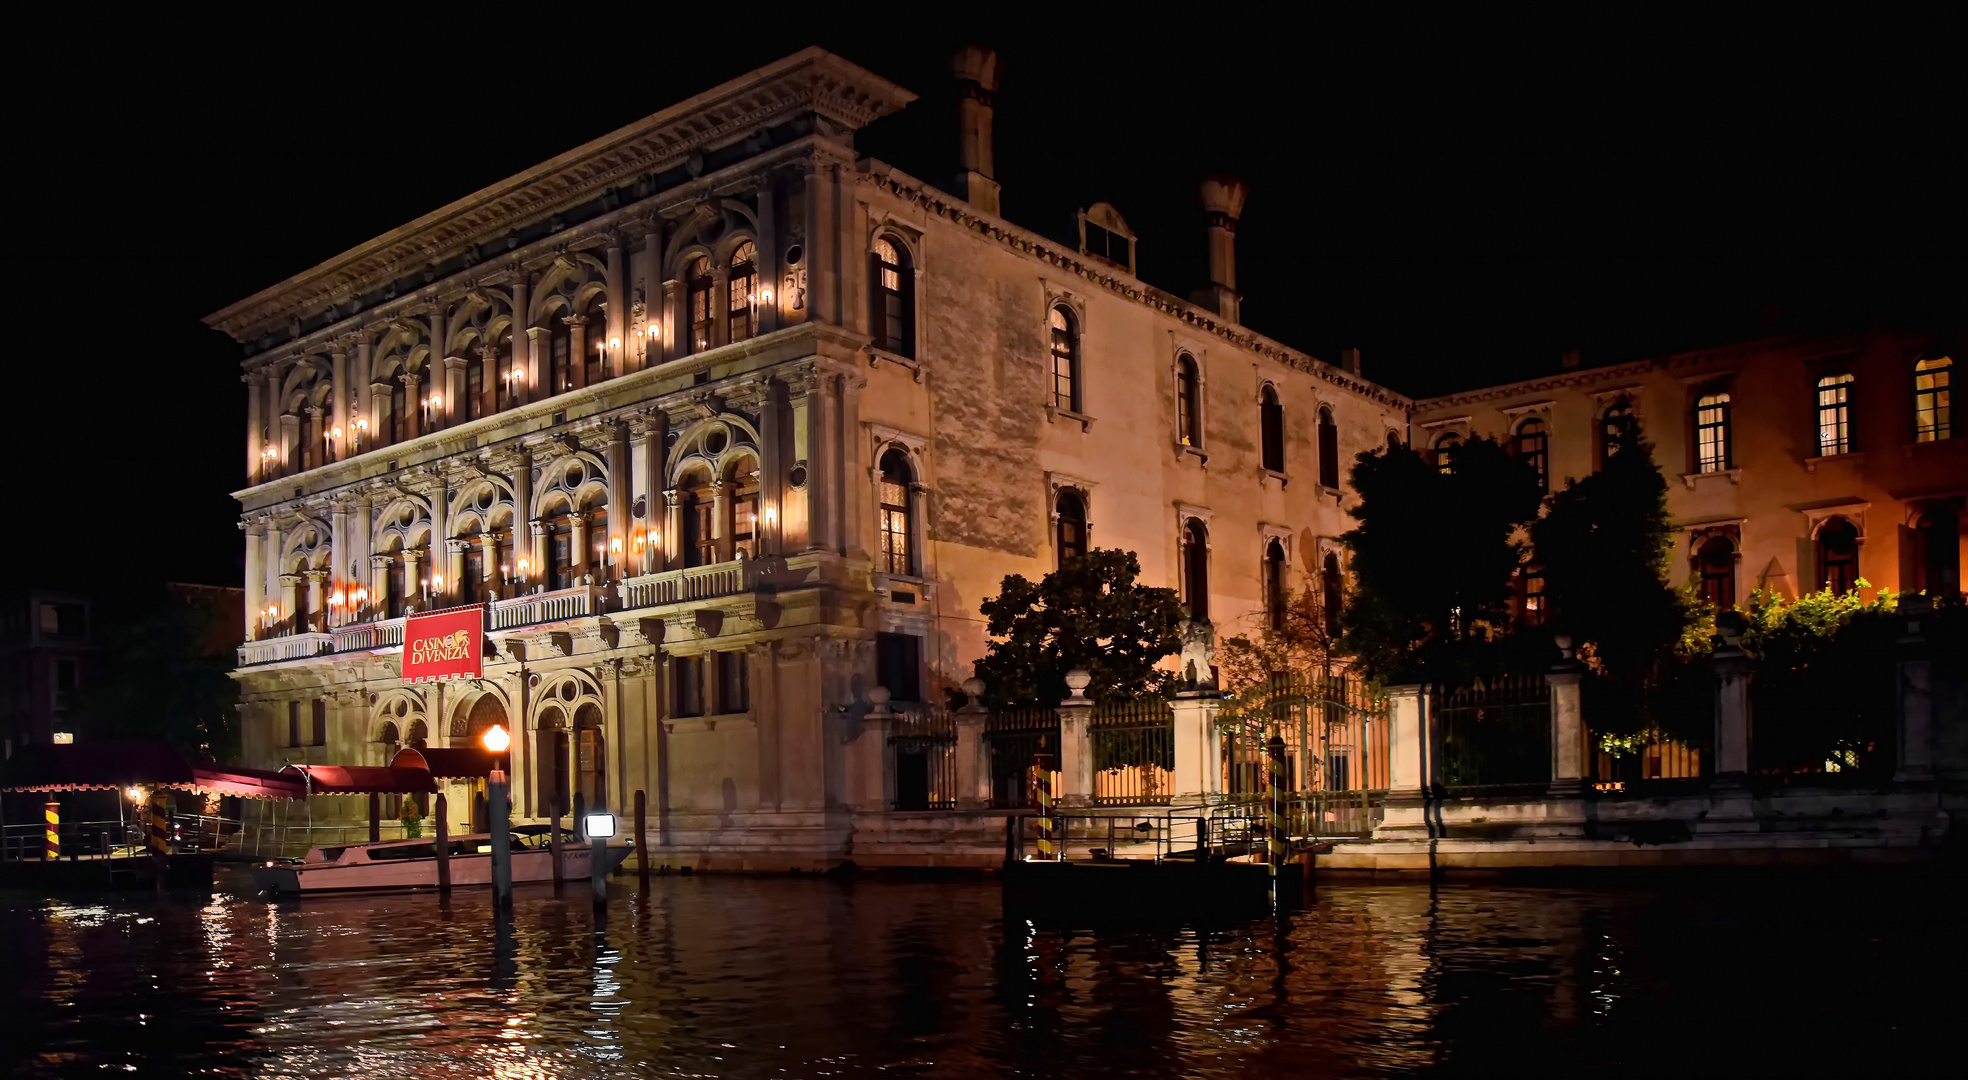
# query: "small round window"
x,y
794,254
797,477
573,478
715,442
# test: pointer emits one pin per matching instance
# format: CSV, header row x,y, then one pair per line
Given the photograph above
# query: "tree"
x,y
1088,614
1433,556
164,674
1604,549
1301,646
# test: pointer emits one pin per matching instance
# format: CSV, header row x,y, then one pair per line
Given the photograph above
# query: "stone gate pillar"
x,y
1568,738
1076,742
973,756
1198,746
1916,697
1732,715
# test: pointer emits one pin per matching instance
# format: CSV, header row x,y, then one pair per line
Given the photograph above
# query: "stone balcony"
x,y
668,587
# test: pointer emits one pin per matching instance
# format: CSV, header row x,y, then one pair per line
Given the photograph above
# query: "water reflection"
x,y
740,977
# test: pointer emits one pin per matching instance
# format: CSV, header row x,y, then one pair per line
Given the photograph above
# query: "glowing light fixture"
x,y
495,739
64,738
600,826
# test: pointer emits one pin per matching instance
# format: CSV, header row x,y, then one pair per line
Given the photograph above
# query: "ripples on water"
x,y
715,976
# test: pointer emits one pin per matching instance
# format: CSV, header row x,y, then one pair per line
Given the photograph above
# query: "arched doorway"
x,y
590,756
485,712
551,756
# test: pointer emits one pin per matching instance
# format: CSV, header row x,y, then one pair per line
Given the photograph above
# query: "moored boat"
x,y
412,864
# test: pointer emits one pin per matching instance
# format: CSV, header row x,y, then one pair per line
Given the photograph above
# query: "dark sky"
x,y
1462,201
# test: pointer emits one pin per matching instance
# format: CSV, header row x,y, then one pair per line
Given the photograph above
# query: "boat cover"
x,y
458,762
150,763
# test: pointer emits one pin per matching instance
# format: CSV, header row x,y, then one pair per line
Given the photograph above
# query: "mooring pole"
x,y
1047,849
553,838
499,807
443,844
51,812
375,816
641,842
598,855
1275,848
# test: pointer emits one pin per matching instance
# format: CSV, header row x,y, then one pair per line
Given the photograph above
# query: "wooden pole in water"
x,y
375,816
598,859
443,844
499,808
642,841
553,836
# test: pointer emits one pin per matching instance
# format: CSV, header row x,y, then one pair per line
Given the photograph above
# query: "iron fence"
x,y
922,756
1335,730
1024,745
1494,732
1133,752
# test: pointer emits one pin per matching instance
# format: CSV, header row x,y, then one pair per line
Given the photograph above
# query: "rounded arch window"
x,y
387,734
1715,562
1933,412
1331,589
1838,556
891,318
1531,446
897,513
697,301
1065,335
1071,534
1195,568
1188,402
1937,552
1617,420
1444,449
741,288
1328,448
1271,424
419,734
1275,593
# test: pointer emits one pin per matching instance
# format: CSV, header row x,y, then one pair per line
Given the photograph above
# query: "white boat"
x,y
412,864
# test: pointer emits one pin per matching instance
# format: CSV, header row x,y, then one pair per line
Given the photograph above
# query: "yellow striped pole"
x,y
1046,822
157,826
51,811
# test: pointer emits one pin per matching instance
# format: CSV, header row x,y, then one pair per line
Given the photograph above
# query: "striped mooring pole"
x,y
1276,805
157,826
1046,823
51,811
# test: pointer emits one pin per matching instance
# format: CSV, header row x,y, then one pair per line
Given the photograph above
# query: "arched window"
x,y
1188,405
1838,556
1834,415
1937,552
1195,568
560,554
1271,428
743,484
696,506
1071,533
400,406
560,350
893,296
1328,448
1444,450
1715,561
697,301
1933,416
396,582
1531,446
388,736
419,734
742,290
595,513
471,581
1331,593
1712,433
474,390
1065,359
1393,439
1616,419
897,554
1274,585
1530,600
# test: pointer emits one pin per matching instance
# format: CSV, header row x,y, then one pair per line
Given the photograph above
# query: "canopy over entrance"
x,y
458,762
362,779
106,766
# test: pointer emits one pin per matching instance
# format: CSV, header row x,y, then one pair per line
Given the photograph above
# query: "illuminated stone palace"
x,y
732,428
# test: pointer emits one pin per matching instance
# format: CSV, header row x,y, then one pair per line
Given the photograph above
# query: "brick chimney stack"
x,y
1223,201
1349,361
976,69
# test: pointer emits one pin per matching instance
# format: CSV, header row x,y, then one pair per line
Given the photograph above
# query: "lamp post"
x,y
499,808
600,825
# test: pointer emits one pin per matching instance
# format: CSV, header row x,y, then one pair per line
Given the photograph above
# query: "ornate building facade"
x,y
728,426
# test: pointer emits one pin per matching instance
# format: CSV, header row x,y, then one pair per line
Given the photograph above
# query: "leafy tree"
x,y
1088,614
1303,647
164,674
1604,549
1433,556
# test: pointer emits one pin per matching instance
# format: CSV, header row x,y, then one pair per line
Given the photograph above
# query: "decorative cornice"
x,y
844,95
1542,385
887,178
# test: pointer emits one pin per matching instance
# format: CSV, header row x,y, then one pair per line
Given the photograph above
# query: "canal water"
x,y
769,977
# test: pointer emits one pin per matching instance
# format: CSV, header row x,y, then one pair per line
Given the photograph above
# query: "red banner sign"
x,y
444,645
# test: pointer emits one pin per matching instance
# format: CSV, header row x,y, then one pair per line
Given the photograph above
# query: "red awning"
x,y
113,765
456,762
364,779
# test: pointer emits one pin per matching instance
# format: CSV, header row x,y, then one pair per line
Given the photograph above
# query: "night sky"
x,y
1463,202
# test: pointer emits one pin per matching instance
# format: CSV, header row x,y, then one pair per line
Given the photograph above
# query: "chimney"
x,y
1569,361
976,69
1223,201
1349,361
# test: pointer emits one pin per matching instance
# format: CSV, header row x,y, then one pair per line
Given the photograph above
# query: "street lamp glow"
x,y
600,826
495,739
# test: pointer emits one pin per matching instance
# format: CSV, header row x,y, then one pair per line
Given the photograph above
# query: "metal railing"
x,y
1222,829
687,584
1133,752
96,839
1024,749
922,759
1494,732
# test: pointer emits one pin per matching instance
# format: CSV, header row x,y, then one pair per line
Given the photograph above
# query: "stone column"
x,y
720,512
1076,742
438,365
537,552
1732,717
255,580
538,369
440,521
1916,764
290,602
490,379
489,540
338,418
1198,746
1410,764
1568,736
973,754
379,568
822,472
382,432
360,378
360,545
578,527
670,550
290,444
856,520
618,309
455,409
272,562
454,571
413,408
772,469
317,609
620,506
577,353
255,427
768,255
413,578
877,790
522,339
338,549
